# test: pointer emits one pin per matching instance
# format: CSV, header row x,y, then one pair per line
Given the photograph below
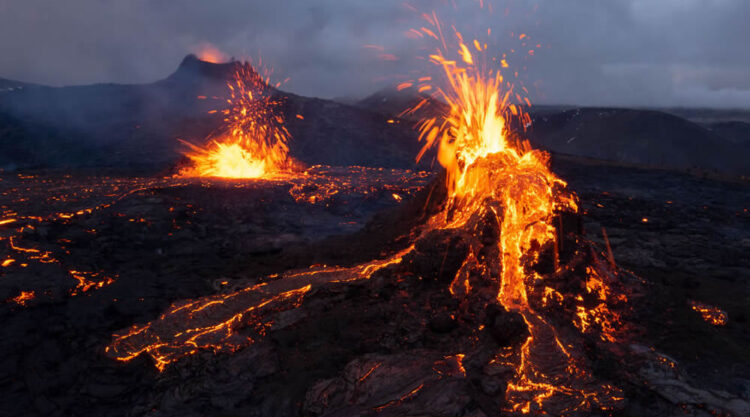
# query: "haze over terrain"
x,y
137,127
589,61
685,53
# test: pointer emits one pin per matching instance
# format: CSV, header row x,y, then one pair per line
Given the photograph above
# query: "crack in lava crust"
x,y
213,323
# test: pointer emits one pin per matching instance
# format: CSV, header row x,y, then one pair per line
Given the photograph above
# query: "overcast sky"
x,y
595,52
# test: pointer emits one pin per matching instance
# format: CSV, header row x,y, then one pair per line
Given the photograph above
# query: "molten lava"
x,y
175,334
224,160
490,172
253,142
23,298
710,314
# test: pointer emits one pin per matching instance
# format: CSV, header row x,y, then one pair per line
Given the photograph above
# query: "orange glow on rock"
x,y
710,314
23,298
210,53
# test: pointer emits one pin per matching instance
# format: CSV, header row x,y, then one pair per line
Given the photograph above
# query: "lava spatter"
x,y
253,142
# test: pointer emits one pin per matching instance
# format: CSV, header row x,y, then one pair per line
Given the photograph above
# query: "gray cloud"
x,y
614,52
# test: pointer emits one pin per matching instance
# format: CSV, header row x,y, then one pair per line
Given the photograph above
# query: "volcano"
x,y
299,259
495,257
133,127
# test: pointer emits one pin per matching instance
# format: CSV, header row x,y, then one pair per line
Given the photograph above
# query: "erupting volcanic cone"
x,y
253,142
527,293
490,174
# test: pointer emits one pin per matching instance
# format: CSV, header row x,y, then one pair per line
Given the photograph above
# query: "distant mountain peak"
x,y
192,68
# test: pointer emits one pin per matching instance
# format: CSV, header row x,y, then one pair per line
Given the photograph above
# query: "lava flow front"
x,y
253,141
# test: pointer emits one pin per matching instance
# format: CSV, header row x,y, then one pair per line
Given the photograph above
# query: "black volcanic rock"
x,y
192,69
737,132
354,347
643,137
392,102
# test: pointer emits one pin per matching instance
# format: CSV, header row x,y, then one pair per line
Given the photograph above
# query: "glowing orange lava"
x,y
484,164
710,314
23,298
210,53
213,322
253,143
89,281
490,174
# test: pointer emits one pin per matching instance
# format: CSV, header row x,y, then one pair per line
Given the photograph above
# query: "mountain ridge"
x,y
137,125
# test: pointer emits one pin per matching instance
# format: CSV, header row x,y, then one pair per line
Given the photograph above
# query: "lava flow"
x,y
253,142
710,314
491,173
491,178
214,322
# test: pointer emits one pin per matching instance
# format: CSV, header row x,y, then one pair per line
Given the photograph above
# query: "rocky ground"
x,y
385,346
689,238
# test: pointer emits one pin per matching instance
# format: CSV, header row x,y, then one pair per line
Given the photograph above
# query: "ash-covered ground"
x,y
102,253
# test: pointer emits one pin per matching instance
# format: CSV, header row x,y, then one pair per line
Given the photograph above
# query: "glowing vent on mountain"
x,y
253,142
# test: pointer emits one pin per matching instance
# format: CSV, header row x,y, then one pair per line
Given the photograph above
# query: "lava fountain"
x,y
253,140
491,171
493,177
